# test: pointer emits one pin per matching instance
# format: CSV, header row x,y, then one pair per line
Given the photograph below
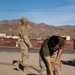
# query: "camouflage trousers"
x,y
44,69
24,54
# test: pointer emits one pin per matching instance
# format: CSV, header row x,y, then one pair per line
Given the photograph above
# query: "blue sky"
x,y
52,12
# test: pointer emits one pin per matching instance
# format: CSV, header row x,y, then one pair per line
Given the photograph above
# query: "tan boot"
x,y
26,69
16,64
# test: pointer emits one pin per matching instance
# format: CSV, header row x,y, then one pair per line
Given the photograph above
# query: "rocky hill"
x,y
10,27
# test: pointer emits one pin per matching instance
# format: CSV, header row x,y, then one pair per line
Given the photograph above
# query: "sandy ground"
x,y
7,68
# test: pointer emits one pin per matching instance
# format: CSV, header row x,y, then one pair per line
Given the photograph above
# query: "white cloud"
x,y
71,1
52,18
65,8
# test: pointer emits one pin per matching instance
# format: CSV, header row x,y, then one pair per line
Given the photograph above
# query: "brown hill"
x,y
10,27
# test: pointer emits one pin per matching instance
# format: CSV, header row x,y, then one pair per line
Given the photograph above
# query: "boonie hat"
x,y
24,18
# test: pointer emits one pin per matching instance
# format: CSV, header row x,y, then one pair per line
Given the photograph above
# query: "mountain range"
x,y
42,30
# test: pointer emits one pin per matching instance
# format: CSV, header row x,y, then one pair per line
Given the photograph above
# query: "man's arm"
x,y
58,57
48,60
26,38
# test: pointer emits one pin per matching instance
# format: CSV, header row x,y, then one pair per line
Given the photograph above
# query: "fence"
x,y
11,42
8,42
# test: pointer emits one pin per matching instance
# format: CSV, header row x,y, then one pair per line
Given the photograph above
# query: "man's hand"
x,y
48,60
57,62
30,46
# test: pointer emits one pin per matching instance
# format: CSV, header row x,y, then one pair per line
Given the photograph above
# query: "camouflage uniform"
x,y
44,70
46,51
25,45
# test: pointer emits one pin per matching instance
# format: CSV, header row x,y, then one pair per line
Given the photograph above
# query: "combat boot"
x,y
26,69
16,64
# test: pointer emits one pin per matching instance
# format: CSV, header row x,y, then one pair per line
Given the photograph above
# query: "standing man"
x,y
50,54
24,44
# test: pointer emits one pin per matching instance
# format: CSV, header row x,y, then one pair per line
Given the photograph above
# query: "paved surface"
x,y
7,68
10,49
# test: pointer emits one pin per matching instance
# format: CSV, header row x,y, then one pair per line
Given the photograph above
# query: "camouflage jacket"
x,y
23,36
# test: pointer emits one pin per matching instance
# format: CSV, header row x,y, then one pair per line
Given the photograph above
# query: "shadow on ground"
x,y
22,67
4,63
34,68
69,62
